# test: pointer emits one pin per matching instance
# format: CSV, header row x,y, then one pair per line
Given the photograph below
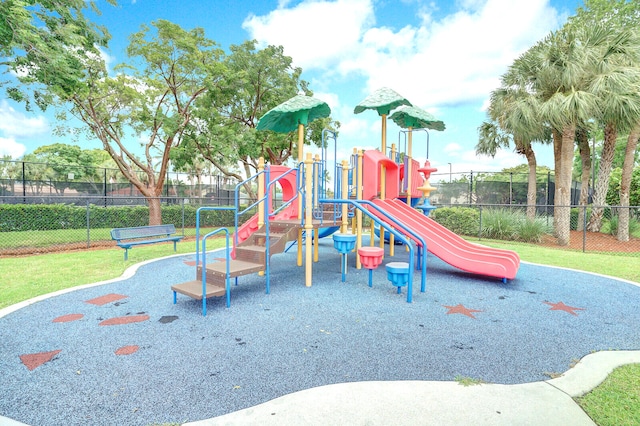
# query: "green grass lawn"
x,y
31,276
611,403
16,240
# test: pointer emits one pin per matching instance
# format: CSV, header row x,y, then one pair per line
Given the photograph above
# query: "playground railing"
x,y
268,214
400,236
227,284
201,209
238,213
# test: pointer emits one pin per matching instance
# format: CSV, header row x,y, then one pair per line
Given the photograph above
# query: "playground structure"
x,y
308,211
385,188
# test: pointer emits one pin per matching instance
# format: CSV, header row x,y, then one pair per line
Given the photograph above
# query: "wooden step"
x,y
193,289
252,253
237,268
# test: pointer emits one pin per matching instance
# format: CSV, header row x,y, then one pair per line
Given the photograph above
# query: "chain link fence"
x,y
54,207
38,227
536,225
33,227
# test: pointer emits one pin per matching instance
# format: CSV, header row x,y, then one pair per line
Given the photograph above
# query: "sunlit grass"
x,y
31,276
616,402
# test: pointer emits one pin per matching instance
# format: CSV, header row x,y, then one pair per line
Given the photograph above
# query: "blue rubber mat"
x,y
123,353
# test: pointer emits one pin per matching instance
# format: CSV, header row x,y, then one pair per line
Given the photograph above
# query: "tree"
x,y
66,163
150,98
224,131
44,42
514,111
625,183
617,86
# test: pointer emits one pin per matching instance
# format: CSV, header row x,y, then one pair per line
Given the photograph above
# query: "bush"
x,y
611,226
503,224
461,220
499,224
531,231
41,217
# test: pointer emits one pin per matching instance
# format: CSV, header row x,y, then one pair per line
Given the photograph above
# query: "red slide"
x,y
288,186
449,246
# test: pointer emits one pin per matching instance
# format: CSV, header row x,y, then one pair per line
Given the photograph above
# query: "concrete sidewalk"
x,y
438,403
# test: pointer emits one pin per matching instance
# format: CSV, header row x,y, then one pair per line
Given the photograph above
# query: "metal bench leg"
x,y
174,297
126,254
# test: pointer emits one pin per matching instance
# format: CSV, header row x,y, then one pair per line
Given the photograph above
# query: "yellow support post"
x,y
308,218
391,236
316,240
300,159
345,187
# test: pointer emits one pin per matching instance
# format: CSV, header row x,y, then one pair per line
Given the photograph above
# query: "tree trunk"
x,y
625,183
155,211
585,158
557,160
532,187
562,206
602,181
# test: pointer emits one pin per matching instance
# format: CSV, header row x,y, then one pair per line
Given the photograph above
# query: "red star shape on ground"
x,y
460,309
560,306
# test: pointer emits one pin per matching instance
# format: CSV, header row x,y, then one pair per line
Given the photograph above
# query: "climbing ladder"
x,y
250,258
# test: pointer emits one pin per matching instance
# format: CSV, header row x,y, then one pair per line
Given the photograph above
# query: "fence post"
x,y
182,205
470,186
24,185
584,229
88,227
480,224
105,187
510,188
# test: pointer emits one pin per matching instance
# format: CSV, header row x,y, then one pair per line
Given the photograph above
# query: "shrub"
x,y
461,220
41,217
611,226
503,224
499,224
531,231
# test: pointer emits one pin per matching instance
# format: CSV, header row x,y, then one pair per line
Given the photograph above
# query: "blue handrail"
x,y
400,236
267,216
227,286
204,255
237,204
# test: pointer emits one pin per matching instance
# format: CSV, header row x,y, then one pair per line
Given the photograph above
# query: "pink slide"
x,y
450,247
288,186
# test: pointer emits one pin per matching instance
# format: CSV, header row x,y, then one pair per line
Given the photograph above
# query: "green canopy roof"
x,y
417,118
300,109
382,100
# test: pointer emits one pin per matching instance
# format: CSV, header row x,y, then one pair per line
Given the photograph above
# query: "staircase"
x,y
250,257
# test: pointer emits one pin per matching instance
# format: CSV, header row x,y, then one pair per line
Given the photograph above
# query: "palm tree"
x,y
625,183
558,80
514,117
582,137
616,83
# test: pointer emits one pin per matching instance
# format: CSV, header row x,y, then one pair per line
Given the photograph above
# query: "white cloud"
x,y
10,147
455,60
16,124
316,34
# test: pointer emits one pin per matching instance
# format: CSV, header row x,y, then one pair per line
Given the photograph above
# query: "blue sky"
x,y
443,56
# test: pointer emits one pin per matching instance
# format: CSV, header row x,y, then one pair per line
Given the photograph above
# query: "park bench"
x,y
129,237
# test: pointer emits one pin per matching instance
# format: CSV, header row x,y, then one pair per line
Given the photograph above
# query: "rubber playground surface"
x,y
123,353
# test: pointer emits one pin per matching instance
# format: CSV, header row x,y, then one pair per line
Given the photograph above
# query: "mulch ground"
x,y
595,241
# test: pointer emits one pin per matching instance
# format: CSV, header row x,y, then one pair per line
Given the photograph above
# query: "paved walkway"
x,y
121,353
